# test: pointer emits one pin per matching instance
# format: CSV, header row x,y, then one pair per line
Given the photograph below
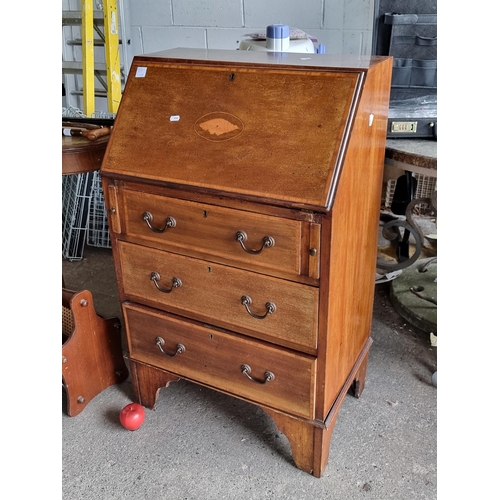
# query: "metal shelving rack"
x,y
95,52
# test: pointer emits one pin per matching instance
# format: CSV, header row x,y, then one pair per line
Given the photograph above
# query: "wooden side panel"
x,y
353,239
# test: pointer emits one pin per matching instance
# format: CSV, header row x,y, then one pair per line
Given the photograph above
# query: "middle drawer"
x,y
277,310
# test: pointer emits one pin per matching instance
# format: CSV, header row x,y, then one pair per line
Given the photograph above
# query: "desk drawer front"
x,y
215,358
208,229
278,310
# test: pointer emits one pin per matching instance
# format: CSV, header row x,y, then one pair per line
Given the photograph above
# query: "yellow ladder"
x,y
111,47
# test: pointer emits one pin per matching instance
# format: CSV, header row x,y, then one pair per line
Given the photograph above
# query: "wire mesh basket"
x,y
98,233
84,218
426,186
76,197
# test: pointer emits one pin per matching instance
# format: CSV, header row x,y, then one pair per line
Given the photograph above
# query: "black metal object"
x,y
391,231
407,30
382,31
404,192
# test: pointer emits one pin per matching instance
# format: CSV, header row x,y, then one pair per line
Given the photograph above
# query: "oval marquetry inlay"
x,y
218,126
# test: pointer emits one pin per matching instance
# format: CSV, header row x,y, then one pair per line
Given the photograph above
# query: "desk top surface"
x,y
297,60
418,152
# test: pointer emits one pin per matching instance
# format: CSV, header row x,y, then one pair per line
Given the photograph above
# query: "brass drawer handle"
x,y
160,342
247,301
267,241
148,218
176,282
268,376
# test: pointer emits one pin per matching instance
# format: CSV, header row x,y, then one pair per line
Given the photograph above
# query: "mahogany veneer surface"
x,y
287,151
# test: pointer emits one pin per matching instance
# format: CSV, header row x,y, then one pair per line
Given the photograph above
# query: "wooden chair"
x,y
92,358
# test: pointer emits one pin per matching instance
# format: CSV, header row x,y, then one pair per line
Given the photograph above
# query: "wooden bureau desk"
x,y
243,195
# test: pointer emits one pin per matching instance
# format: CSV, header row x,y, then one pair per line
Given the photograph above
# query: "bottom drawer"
x,y
216,358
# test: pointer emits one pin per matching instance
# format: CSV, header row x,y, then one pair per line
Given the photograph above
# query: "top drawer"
x,y
226,235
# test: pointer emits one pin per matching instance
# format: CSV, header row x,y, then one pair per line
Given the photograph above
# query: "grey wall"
x,y
343,26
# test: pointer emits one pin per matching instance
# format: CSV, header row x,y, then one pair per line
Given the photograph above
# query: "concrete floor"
x,y
200,445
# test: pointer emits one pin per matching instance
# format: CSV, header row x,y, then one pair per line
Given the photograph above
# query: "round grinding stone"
x,y
422,278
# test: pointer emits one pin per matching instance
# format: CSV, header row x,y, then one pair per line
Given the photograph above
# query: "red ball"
x,y
132,416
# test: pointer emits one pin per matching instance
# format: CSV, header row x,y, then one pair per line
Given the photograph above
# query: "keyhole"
x,y
205,214
209,269
231,77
